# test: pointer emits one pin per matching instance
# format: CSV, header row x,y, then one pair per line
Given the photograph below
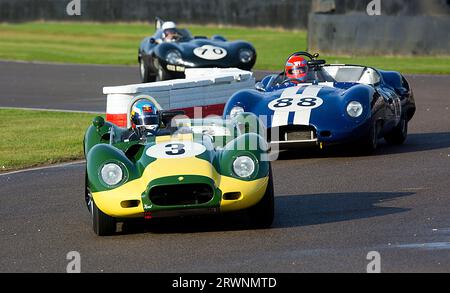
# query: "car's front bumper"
x,y
132,200
323,137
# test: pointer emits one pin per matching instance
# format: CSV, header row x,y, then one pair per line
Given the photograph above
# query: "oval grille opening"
x,y
292,133
183,194
232,196
127,204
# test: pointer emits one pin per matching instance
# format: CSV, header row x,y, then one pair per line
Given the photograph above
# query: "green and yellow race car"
x,y
197,167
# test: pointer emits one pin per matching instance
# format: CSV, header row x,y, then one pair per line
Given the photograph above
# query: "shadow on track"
x,y
418,142
290,211
415,143
315,209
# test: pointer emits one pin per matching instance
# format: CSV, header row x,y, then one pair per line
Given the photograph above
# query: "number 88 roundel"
x,y
295,103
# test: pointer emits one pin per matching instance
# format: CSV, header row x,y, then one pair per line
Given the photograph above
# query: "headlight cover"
x,y
174,57
236,111
111,174
244,166
355,109
245,55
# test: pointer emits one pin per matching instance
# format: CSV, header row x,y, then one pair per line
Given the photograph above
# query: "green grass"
x,y
94,43
33,138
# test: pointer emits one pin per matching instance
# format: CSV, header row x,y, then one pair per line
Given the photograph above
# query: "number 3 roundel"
x,y
209,52
175,150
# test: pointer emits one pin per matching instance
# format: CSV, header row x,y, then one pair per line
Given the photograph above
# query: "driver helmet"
x,y
296,68
144,114
170,33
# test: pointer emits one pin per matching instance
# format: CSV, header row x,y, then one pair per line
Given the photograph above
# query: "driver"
x,y
170,33
145,120
296,69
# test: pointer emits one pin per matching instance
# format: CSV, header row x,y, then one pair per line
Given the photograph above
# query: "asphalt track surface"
x,y
332,207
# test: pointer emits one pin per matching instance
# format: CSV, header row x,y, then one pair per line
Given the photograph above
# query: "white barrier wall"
x,y
206,88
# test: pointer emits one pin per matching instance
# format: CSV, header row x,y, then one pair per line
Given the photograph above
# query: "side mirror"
x,y
259,86
152,41
98,122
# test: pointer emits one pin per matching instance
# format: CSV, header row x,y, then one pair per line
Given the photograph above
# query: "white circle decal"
x,y
175,150
295,103
209,52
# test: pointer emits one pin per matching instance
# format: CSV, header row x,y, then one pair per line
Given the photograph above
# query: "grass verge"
x,y
106,43
33,138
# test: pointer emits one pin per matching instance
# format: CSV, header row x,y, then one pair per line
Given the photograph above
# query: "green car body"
x,y
182,171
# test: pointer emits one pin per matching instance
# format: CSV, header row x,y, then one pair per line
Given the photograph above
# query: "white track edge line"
x,y
51,110
42,168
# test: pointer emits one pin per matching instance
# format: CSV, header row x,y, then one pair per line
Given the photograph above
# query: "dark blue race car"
x,y
171,50
329,104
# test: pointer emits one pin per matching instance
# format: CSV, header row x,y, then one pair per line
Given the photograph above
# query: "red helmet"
x,y
296,68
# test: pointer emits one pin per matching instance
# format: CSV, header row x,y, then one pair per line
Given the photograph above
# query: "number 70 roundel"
x,y
209,52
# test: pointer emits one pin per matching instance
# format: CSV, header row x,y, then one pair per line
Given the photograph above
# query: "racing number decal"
x,y
283,103
304,103
308,102
209,52
296,103
299,104
215,51
175,150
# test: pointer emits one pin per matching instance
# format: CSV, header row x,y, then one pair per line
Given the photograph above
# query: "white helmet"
x,y
170,32
168,25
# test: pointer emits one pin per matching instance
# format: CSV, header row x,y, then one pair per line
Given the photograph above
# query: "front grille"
x,y
183,194
292,133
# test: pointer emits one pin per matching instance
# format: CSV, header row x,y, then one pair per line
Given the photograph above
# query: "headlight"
x,y
244,166
236,111
354,109
174,57
246,55
111,174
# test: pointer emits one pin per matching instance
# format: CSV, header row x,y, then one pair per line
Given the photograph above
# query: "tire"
x,y
144,72
102,224
399,134
370,143
262,214
87,194
162,74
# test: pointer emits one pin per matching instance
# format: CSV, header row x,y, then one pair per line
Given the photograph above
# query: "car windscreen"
x,y
320,75
184,35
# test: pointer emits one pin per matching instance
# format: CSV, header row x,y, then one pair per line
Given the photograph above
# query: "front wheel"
x,y
144,72
370,142
162,74
262,214
399,134
102,224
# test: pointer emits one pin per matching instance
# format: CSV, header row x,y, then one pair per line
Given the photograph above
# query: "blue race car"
x,y
312,103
